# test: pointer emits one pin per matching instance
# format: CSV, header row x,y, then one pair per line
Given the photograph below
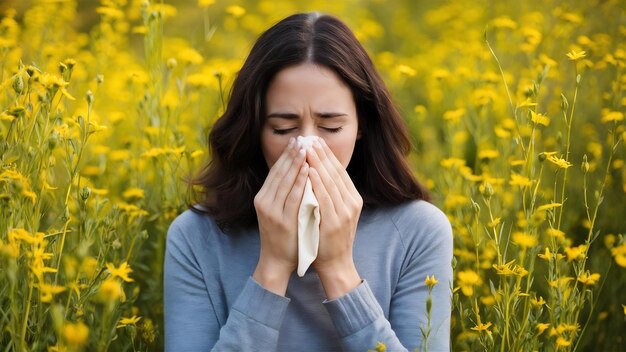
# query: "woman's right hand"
x,y
277,205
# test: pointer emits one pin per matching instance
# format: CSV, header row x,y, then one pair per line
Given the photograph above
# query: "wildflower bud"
x,y
84,193
70,63
564,103
487,190
585,164
89,97
30,70
171,63
476,207
217,74
116,244
66,214
99,78
578,78
18,84
16,111
541,157
53,140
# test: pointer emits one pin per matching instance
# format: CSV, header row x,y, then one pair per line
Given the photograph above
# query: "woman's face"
x,y
309,100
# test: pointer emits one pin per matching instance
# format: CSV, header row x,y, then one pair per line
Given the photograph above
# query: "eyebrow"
x,y
292,116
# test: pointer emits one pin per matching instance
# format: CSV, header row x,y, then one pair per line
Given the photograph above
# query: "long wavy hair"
x,y
237,168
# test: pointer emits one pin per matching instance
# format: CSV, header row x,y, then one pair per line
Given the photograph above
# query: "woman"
x,y
229,278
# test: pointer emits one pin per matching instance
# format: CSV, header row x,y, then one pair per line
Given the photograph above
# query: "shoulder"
x,y
418,212
191,228
421,223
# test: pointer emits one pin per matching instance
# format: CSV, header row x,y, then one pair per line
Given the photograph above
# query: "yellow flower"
x,y
613,116
539,119
541,327
548,206
134,193
406,70
576,253
205,3
619,254
6,117
576,55
624,306
589,279
235,11
546,255
467,280
452,163
430,281
76,334
558,234
504,269
559,162
495,222
527,103
133,211
47,291
380,347
525,240
190,56
121,272
482,327
128,321
488,300
488,154
454,115
561,342
537,302
519,180
111,290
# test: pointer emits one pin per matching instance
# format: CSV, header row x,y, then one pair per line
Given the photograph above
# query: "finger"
x,y
284,185
270,175
278,171
327,210
334,169
329,184
341,171
294,198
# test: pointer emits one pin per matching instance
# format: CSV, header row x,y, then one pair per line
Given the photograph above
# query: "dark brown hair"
x,y
237,169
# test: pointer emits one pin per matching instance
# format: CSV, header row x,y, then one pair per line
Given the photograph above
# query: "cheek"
x,y
342,151
272,149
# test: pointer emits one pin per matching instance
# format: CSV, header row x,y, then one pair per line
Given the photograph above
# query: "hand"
x,y
277,205
340,208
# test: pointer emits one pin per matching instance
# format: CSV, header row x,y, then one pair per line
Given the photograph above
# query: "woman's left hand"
x,y
340,206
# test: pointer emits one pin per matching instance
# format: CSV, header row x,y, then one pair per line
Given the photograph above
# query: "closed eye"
x,y
333,130
287,130
284,131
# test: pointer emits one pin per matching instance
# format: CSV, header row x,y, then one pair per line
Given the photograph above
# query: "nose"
x,y
308,128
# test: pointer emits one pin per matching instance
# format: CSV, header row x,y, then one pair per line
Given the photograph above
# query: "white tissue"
x,y
308,219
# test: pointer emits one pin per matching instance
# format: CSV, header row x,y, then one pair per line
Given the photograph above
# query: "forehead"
x,y
308,81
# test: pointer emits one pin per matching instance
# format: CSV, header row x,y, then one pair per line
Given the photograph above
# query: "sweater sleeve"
x,y
359,318
191,322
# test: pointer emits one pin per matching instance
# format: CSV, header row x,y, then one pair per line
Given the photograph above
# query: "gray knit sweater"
x,y
212,302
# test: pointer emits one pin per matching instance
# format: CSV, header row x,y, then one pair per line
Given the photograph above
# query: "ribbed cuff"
x,y
354,310
262,305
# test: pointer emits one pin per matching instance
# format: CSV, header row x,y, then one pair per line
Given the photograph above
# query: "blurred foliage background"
x,y
516,111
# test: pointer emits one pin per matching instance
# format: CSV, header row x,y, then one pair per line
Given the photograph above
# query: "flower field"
x,y
516,111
